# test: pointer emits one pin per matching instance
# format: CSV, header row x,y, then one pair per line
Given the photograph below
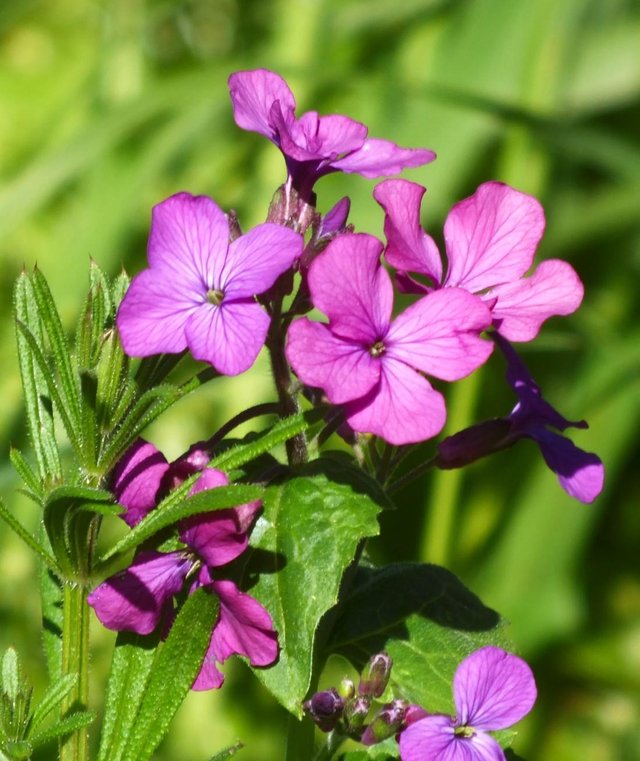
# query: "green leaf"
x,y
24,470
34,384
227,752
427,621
170,511
51,601
64,727
91,323
28,538
11,674
175,667
52,698
310,532
384,751
130,668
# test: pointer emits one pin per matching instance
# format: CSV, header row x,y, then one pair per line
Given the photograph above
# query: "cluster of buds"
x,y
346,710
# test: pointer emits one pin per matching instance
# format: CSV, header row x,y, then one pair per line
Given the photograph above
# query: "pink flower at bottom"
x,y
493,689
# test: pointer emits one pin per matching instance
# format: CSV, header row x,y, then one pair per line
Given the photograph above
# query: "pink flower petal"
x,y
522,306
342,368
439,334
493,689
137,478
252,95
402,408
491,237
229,336
135,599
409,248
350,286
153,314
244,627
189,237
380,158
219,536
256,259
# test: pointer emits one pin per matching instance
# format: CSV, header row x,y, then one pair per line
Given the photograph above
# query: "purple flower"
x,y
198,292
371,364
490,238
140,598
580,473
492,690
313,145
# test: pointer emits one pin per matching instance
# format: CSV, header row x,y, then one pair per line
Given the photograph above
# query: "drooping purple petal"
x,y
341,367
493,689
219,536
439,334
350,286
253,93
491,237
401,408
244,627
256,259
135,599
228,336
522,306
580,473
381,158
152,316
409,248
137,478
189,236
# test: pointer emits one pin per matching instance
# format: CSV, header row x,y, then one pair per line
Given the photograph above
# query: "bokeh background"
x,y
108,107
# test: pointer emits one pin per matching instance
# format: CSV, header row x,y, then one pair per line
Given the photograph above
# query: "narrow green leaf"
x,y
78,494
51,603
227,752
70,390
11,674
282,431
310,532
28,538
168,686
427,621
130,668
64,727
24,470
52,698
91,323
171,512
38,405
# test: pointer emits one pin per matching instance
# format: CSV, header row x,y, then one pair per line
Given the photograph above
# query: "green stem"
x,y
436,538
75,660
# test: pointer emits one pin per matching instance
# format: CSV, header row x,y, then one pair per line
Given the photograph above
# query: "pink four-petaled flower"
x,y
199,290
490,239
371,364
492,690
313,145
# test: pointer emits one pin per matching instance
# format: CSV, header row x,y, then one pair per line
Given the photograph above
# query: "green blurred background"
x,y
109,107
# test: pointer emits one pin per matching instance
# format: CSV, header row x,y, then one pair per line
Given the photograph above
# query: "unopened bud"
x,y
375,676
387,722
472,443
346,689
325,708
355,714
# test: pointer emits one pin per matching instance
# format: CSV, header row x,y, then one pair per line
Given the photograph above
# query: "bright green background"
x,y
108,107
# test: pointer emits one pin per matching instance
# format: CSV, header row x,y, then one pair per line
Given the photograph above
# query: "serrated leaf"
x,y
64,727
174,670
130,667
52,698
311,529
170,511
427,621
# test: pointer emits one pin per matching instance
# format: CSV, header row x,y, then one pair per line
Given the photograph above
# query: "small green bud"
x,y
375,676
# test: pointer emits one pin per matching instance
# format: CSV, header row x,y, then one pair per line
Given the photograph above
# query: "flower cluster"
x,y
140,599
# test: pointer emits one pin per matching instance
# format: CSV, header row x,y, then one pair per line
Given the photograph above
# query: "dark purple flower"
x,y
313,145
199,291
492,690
373,364
140,598
580,473
491,239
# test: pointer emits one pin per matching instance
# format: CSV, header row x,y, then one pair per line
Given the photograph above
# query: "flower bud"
x,y
375,676
346,689
387,722
325,708
472,443
355,714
